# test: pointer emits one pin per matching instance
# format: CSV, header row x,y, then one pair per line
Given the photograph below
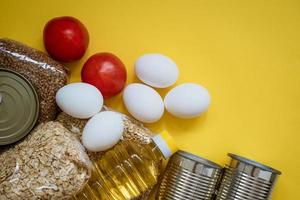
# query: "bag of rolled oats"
x,y
50,163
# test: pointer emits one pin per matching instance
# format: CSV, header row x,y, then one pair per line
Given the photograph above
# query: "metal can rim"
x,y
254,163
199,159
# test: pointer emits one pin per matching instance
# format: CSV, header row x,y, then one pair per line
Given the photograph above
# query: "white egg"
x,y
103,131
156,70
187,100
79,100
143,102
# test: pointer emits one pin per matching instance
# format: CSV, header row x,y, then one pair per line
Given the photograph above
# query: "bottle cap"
x,y
165,143
19,106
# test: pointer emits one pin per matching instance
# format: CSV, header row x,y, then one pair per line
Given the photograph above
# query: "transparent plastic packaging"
x,y
50,163
46,75
133,129
135,138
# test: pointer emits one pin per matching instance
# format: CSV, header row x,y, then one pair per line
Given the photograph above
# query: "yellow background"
x,y
247,53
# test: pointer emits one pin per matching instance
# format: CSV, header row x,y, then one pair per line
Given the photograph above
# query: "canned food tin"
x,y
189,177
245,179
19,106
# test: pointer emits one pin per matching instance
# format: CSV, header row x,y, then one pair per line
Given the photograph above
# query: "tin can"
x,y
19,106
245,179
189,177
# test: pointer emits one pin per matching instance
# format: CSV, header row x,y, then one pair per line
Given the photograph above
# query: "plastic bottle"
x,y
127,170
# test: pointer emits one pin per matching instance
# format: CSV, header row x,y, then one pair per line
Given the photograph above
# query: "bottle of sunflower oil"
x,y
127,170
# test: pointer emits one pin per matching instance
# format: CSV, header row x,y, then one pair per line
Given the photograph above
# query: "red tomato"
x,y
66,39
106,72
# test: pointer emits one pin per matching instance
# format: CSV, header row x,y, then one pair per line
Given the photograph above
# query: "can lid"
x,y
198,159
165,143
254,163
19,106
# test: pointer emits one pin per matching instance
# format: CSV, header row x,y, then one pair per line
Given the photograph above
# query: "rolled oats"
x,y
50,163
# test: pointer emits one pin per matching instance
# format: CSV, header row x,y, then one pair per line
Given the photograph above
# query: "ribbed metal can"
x,y
189,177
245,179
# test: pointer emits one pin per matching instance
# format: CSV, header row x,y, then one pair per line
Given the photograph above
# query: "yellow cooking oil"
x,y
127,170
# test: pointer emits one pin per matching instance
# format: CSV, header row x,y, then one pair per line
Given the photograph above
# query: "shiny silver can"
x,y
189,177
245,179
